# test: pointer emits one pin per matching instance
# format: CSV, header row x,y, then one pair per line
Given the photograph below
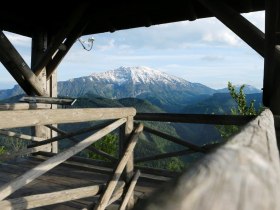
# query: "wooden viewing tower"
x,y
243,173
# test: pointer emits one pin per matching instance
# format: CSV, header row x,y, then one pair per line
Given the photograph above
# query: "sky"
x,y
202,51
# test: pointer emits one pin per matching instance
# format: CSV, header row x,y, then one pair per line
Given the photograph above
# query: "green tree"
x,y
108,144
242,108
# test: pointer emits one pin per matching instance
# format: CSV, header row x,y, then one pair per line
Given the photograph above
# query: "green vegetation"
x,y
108,144
242,108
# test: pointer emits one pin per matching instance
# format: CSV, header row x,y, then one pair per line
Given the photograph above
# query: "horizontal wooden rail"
x,y
33,201
70,134
244,173
90,148
26,118
195,118
104,199
20,135
47,165
24,106
163,156
174,139
48,100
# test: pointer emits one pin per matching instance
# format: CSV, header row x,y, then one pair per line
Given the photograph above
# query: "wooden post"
x,y
39,47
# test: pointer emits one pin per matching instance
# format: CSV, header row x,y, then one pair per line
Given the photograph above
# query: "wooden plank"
x,y
11,119
34,201
248,32
15,63
105,197
244,173
130,190
165,155
42,168
174,139
24,106
195,118
48,100
90,148
20,135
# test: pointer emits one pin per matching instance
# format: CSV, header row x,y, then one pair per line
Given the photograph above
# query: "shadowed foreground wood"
x,y
242,174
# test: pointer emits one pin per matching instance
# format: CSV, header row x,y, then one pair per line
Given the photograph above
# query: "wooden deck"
x,y
69,175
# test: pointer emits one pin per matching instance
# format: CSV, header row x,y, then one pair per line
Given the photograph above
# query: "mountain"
x,y
157,87
166,91
220,103
248,89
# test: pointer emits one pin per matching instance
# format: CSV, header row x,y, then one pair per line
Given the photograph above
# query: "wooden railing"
x,y
244,173
24,118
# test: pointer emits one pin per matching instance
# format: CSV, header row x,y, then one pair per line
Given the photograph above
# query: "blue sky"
x,y
203,51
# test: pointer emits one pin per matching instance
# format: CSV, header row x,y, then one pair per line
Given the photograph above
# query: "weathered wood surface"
x,y
242,174
105,197
195,118
24,106
11,119
130,190
42,168
15,64
20,135
48,100
33,201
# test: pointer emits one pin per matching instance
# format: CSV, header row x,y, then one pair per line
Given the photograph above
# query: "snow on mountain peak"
x,y
138,74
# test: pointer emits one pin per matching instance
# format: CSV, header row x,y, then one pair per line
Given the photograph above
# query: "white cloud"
x,y
108,46
224,36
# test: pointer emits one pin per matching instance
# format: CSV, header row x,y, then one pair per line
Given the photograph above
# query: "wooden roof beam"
x,y
60,37
18,68
71,39
248,32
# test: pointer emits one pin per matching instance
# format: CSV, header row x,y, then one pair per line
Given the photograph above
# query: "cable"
x,y
90,40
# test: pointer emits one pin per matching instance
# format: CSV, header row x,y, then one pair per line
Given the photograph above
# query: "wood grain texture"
x,y
105,197
20,135
47,165
25,118
44,199
24,106
243,174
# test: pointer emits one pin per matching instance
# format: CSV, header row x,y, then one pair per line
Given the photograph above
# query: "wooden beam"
x,y
47,165
70,40
244,173
20,135
105,197
195,118
11,119
33,201
90,148
58,39
14,63
248,32
48,100
174,139
271,88
130,190
23,106
164,155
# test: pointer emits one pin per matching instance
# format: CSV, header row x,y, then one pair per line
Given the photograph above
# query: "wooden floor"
x,y
66,176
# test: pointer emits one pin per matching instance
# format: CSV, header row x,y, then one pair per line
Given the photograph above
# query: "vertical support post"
x,y
39,47
125,132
